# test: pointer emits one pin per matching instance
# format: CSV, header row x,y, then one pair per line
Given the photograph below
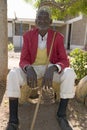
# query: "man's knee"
x,y
69,72
12,74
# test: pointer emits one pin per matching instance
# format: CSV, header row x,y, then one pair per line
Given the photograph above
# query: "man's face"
x,y
43,20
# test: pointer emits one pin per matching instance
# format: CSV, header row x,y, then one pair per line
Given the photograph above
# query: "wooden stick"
x,y
36,110
40,95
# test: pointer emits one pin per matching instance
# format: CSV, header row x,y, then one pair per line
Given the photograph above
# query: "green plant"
x,y
10,46
78,60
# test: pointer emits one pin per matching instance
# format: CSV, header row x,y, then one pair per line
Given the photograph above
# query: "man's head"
x,y
43,18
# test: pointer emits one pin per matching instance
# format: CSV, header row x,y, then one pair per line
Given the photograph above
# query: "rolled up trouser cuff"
x,y
13,94
65,96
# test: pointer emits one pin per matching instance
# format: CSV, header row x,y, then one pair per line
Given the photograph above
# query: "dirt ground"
x,y
46,117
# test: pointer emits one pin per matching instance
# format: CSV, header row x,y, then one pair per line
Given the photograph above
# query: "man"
x,y
35,50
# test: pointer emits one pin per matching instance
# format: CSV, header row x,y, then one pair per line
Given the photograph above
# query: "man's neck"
x,y
43,32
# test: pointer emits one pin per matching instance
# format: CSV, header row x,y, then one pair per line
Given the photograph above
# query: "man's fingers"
x,y
32,82
50,83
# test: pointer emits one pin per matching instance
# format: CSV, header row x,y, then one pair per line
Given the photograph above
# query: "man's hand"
x,y
48,76
31,77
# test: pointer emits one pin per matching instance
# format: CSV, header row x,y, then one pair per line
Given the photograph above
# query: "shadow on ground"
x,y
45,120
77,113
46,116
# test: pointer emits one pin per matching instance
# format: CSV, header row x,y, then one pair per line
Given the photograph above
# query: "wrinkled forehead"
x,y
44,11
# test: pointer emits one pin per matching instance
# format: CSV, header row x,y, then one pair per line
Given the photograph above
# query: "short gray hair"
x,y
44,8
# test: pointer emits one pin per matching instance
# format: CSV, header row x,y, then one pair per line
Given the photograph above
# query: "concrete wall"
x,y
62,30
9,29
78,32
18,42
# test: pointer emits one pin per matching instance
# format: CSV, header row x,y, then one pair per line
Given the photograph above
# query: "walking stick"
x,y
39,99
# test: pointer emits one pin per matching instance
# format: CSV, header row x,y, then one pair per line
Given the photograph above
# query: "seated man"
x,y
33,60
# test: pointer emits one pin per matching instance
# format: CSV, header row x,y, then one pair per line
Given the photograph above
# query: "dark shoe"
x,y
63,123
12,126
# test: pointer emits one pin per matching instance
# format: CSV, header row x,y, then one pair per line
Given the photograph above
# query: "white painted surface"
x,y
17,41
9,29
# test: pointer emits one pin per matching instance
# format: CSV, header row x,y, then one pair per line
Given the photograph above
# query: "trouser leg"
x,y
15,79
62,108
61,115
67,91
13,110
67,81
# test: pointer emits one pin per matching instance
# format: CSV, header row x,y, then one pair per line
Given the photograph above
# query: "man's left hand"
x,y
48,76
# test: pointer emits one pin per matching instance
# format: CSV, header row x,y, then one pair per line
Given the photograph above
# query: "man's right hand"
x,y
31,77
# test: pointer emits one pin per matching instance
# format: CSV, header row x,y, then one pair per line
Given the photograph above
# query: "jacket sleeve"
x,y
63,60
59,56
25,53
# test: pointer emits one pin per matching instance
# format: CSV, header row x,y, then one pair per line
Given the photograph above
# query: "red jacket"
x,y
30,44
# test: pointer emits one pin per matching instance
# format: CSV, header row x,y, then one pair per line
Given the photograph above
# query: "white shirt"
x,y
42,41
42,45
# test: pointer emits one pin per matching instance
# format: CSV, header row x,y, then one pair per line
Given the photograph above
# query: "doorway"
x,y
69,37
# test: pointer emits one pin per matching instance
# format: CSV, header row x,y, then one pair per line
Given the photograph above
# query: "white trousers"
x,y
16,78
